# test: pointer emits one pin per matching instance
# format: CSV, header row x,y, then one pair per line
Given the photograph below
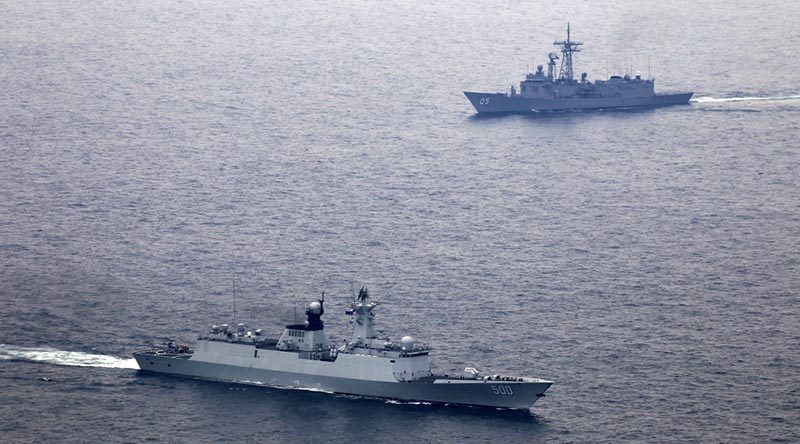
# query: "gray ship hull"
x,y
498,103
489,393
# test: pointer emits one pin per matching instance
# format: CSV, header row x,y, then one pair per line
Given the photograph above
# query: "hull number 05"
x,y
484,100
502,390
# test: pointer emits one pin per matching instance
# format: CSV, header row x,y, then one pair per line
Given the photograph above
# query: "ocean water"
x,y
648,262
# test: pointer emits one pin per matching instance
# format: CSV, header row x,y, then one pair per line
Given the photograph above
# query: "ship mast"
x,y
568,47
361,308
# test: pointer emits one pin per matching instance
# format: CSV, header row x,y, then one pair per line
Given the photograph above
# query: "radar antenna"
x,y
551,65
568,47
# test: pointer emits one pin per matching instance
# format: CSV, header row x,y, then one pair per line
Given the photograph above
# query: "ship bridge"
x,y
310,336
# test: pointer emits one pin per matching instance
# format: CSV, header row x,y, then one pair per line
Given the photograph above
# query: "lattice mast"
x,y
568,47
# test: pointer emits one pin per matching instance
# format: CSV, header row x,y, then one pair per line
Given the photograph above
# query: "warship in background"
x,y
542,91
367,365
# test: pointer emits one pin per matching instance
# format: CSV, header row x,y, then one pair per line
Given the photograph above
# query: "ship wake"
x,y
743,99
54,356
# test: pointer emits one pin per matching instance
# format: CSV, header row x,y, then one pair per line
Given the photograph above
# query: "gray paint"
x,y
503,103
452,391
543,91
368,365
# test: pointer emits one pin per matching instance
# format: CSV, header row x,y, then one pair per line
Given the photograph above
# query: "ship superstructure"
x,y
368,364
546,91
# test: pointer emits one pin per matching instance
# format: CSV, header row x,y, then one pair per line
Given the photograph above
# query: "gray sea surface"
x,y
648,261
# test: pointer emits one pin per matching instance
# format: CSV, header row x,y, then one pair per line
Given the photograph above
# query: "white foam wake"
x,y
61,357
742,99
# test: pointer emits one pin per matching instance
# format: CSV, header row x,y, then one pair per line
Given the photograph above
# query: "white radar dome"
x,y
407,342
315,307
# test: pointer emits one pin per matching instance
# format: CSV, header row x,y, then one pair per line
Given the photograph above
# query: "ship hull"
x,y
500,103
487,393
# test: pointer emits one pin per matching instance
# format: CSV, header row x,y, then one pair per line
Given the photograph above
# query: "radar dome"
x,y
407,342
315,308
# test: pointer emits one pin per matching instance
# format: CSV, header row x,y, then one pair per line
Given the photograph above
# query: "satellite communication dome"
x,y
315,307
407,342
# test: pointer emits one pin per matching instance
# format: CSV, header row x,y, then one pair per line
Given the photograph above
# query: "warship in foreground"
x,y
367,365
542,91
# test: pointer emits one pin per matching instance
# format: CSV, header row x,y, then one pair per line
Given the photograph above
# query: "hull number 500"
x,y
502,390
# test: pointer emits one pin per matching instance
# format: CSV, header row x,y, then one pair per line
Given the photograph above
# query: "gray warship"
x,y
369,364
540,91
